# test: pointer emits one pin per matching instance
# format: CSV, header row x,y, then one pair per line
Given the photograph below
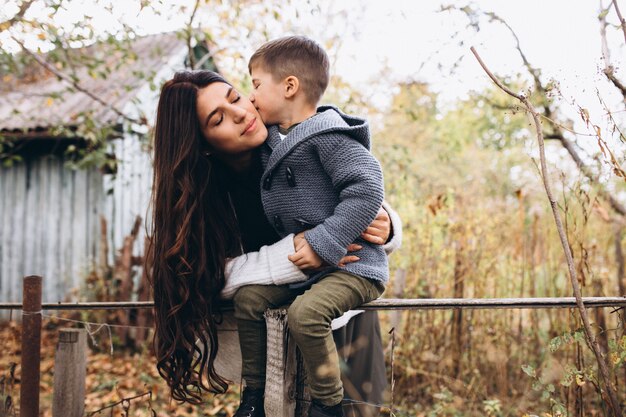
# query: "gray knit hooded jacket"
x,y
322,178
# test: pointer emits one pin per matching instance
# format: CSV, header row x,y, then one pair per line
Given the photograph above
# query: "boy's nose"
x,y
252,97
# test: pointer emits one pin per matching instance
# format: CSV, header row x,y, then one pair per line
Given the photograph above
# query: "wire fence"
x,y
380,304
32,314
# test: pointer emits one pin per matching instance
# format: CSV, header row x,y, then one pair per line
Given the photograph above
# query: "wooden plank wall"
x,y
127,194
50,219
49,223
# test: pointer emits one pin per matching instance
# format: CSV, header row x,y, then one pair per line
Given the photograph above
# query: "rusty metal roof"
x,y
49,101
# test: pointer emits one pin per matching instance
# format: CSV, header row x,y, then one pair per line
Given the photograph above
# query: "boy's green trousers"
x,y
308,318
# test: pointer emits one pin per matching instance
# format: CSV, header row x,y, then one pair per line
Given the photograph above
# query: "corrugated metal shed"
x,y
29,106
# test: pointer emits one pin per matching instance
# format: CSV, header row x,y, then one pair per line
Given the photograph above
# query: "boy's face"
x,y
268,95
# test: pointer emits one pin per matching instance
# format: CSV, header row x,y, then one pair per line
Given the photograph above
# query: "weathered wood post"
x,y
31,346
285,387
70,369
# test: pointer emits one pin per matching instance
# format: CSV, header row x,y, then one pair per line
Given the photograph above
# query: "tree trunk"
x,y
123,277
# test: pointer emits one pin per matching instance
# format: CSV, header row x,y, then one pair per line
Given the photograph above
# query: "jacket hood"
x,y
328,119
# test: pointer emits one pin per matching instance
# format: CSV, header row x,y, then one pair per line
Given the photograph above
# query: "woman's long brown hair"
x,y
193,231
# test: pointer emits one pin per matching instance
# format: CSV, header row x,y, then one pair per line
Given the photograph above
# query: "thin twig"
x,y
190,53
606,53
609,70
547,114
610,74
622,21
392,332
604,372
75,84
18,16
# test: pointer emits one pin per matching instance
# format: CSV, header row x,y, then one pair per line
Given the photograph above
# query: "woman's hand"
x,y
350,258
378,231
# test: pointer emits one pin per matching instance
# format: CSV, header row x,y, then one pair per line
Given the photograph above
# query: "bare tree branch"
x,y
75,84
558,128
534,72
192,58
610,74
18,16
606,53
209,55
609,70
604,371
622,21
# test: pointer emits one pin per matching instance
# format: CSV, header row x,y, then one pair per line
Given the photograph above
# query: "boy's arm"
x,y
358,177
266,267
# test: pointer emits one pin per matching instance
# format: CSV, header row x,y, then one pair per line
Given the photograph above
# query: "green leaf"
x,y
579,336
567,380
529,370
555,344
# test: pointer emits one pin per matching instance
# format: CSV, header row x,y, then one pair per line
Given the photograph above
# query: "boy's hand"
x,y
378,231
299,239
305,257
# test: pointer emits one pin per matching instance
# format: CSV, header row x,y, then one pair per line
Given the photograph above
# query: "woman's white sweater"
x,y
270,265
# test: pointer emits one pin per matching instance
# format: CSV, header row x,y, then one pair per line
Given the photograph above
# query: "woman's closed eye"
x,y
235,99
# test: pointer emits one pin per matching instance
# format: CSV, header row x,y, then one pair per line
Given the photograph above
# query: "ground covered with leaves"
x,y
111,378
503,366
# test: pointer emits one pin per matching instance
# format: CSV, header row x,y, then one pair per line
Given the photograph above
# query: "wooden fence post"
x,y
70,368
31,346
285,387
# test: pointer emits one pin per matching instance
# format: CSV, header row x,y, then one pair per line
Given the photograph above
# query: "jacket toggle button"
x,y
291,178
278,224
267,182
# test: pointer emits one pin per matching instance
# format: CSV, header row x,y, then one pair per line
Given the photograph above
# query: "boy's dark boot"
x,y
251,403
321,410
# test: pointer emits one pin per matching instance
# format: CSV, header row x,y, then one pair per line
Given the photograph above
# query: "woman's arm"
x,y
268,266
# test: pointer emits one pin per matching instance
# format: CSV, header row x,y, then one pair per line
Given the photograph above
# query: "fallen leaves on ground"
x,y
110,379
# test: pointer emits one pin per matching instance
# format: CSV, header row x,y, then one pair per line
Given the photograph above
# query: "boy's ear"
x,y
292,85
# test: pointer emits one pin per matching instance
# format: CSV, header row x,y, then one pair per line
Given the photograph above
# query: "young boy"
x,y
319,177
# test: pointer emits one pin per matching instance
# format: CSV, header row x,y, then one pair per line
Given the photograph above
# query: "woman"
x,y
207,209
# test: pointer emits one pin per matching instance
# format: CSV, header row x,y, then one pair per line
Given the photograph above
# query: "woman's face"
x,y
230,123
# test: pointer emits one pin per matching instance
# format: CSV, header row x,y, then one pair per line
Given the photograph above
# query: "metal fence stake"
x,y
31,346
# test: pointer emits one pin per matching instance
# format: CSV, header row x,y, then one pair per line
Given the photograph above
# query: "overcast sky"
x,y
409,39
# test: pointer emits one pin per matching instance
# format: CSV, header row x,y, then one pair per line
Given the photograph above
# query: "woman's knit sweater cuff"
x,y
282,270
268,266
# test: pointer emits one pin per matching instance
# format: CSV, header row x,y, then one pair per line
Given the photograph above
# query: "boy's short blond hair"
x,y
298,56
